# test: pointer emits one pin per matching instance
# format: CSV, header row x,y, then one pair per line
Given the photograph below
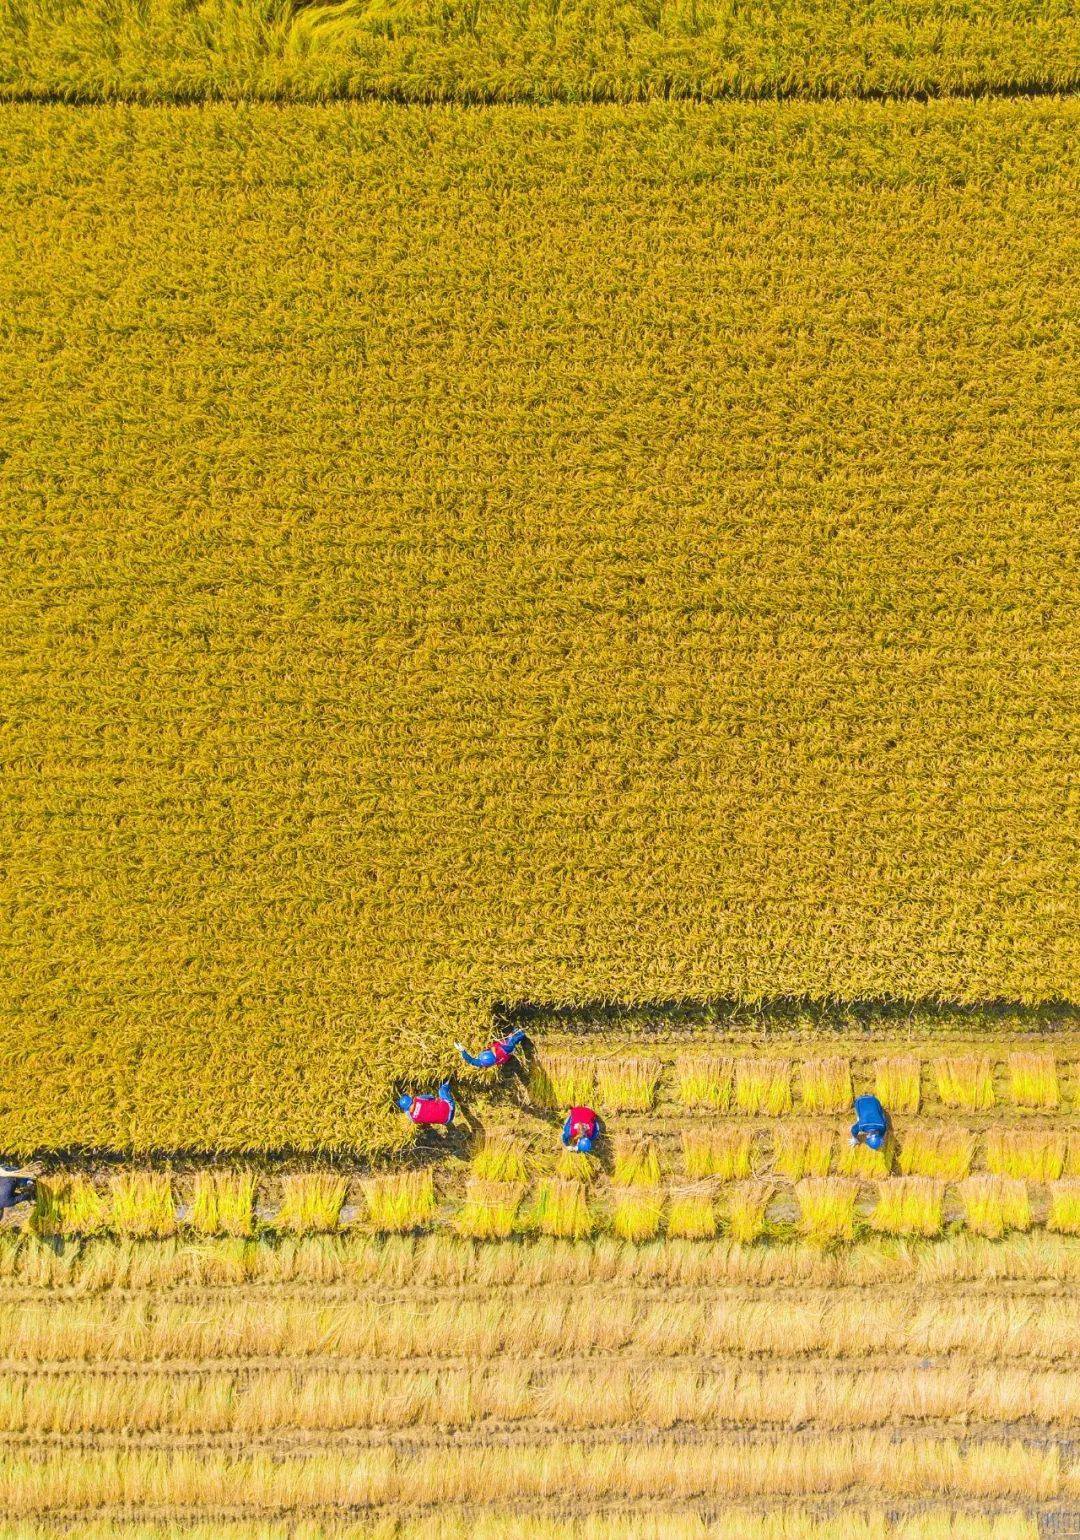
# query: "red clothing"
x,y
583,1124
430,1109
500,1053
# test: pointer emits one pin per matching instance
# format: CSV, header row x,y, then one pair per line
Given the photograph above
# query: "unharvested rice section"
x,y
468,556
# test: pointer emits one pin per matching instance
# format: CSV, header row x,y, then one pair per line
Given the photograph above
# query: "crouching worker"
x,y
16,1186
495,1055
439,1108
580,1130
870,1123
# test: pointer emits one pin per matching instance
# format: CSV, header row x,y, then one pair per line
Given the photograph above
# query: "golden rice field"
x,y
462,558
149,50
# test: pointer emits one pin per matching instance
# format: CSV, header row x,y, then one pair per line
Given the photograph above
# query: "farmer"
x,y
497,1053
870,1122
580,1130
16,1186
439,1108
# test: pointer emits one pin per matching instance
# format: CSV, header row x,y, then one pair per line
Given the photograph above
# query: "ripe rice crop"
x,y
561,1209
965,1080
490,1209
860,1160
725,1152
994,1204
692,1213
504,856
1035,1154
400,1201
637,1212
574,1167
802,1149
223,1203
825,1084
311,1202
826,1208
1033,1079
704,1080
1064,1216
67,1205
936,1150
909,1205
898,1082
142,1205
501,1158
763,1086
561,1081
627,1084
746,1205
635,1164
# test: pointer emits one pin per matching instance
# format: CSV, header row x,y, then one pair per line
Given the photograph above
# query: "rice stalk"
x,y
223,1203
936,1150
311,1203
561,1209
636,1163
994,1204
637,1212
898,1082
1064,1216
501,1158
965,1080
763,1086
909,1205
67,1205
490,1209
1034,1154
692,1213
746,1205
561,1081
571,1166
825,1084
861,1161
802,1149
625,1084
1033,1079
400,1201
725,1152
704,1080
142,1204
826,1208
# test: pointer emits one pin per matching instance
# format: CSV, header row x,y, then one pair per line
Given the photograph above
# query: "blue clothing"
x,y
15,1189
870,1123
582,1122
488,1058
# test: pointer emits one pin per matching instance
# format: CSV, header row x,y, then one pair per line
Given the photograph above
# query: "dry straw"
x,y
802,1149
142,1204
704,1080
1033,1079
67,1205
490,1209
965,1080
636,1163
1064,1216
627,1084
637,1212
936,1149
560,1081
501,1158
561,1209
826,1208
747,1204
909,1205
401,1201
725,1152
898,1082
311,1203
825,1084
223,1203
763,1086
692,1213
994,1204
1035,1154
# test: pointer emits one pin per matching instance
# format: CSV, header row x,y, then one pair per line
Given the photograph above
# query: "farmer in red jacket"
x,y
580,1129
439,1108
495,1055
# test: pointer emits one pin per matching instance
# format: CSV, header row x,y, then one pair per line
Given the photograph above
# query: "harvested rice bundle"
x,y
563,1080
747,1203
704,1080
994,1204
570,1166
67,1205
825,1084
401,1201
898,1082
692,1213
909,1205
1035,1154
936,1149
1064,1207
561,1209
636,1164
965,1080
223,1203
501,1158
311,1203
725,1152
763,1086
802,1149
827,1208
1033,1079
627,1084
142,1204
637,1213
860,1160
490,1209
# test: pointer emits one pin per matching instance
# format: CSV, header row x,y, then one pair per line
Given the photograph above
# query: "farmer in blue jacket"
x,y
870,1123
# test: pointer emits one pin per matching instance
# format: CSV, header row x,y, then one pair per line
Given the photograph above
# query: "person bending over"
x,y
870,1123
494,1055
580,1130
439,1108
